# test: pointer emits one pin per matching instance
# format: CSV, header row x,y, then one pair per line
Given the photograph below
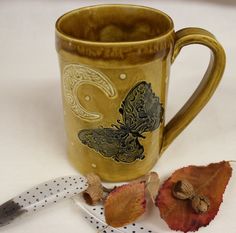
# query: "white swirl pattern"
x,y
75,75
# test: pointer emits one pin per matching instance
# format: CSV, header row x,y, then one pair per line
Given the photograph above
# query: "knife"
x,y
53,191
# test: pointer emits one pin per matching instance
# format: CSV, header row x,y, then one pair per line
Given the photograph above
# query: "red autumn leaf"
x,y
209,181
125,204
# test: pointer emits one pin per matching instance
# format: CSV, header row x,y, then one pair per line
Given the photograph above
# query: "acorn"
x,y
94,193
183,190
200,204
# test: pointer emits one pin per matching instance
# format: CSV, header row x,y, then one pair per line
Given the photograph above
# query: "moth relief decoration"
x,y
141,112
75,75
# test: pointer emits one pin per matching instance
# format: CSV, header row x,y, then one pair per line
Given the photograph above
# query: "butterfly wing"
x,y
104,140
114,143
141,109
130,149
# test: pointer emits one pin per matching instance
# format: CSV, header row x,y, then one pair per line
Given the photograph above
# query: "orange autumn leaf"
x,y
125,204
209,181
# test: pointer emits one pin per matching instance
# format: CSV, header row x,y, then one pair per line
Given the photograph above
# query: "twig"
x,y
231,161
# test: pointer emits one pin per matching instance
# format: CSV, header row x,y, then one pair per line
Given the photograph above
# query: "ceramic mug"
x,y
115,63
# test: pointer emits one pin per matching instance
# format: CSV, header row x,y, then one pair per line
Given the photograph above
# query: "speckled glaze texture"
x,y
115,63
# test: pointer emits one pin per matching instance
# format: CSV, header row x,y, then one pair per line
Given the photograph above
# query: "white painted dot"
x,y
123,76
72,143
87,98
93,165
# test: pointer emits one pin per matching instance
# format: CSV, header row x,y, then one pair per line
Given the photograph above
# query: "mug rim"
x,y
157,38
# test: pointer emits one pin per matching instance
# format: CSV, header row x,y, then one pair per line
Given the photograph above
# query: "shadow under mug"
x,y
115,62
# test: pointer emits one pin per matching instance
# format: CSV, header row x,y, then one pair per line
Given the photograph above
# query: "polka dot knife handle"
x,y
41,196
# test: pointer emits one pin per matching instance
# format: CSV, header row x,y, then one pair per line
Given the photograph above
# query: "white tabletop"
x,y
32,138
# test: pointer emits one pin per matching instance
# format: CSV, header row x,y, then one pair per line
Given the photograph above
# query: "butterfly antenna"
x,y
119,122
113,125
140,135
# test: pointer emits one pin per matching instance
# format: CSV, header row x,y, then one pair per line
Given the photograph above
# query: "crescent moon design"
x,y
75,75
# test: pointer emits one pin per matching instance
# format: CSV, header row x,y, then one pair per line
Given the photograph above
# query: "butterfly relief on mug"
x,y
141,112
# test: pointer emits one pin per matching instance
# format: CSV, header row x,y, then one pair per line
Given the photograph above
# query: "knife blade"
x,y
94,215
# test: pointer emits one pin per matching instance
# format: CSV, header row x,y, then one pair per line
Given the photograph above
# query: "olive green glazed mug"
x,y
115,63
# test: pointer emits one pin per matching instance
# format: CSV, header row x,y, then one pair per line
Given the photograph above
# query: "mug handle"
x,y
206,87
